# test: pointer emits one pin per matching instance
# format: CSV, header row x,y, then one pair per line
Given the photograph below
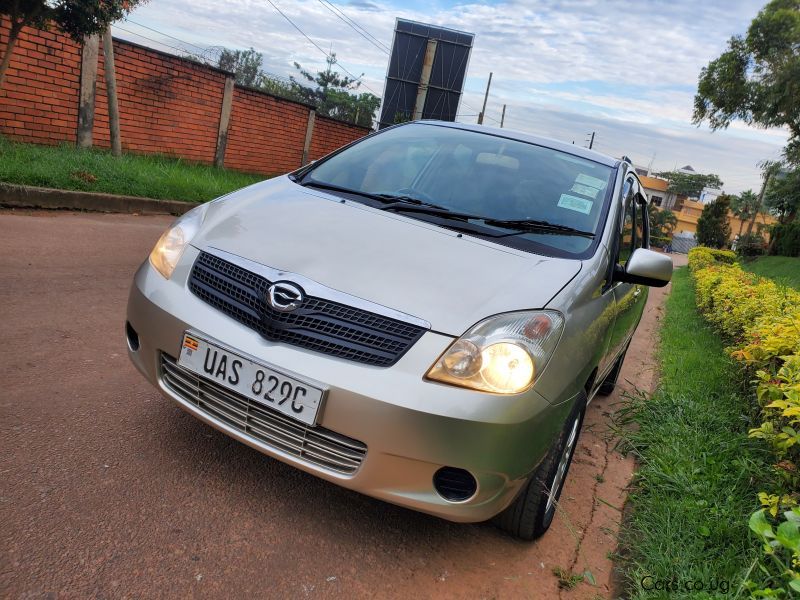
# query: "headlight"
x,y
502,354
170,246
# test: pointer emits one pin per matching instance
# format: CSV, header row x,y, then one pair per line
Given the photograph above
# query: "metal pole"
x,y
503,116
485,98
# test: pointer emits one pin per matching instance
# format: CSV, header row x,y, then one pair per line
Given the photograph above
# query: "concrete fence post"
x,y
224,122
425,78
86,100
111,93
312,117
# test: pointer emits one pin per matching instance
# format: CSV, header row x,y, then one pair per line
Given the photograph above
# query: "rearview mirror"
x,y
646,267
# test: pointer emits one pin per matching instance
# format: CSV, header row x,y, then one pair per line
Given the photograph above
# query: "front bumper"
x,y
410,427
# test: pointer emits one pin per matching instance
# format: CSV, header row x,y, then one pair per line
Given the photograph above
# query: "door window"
x,y
642,226
627,232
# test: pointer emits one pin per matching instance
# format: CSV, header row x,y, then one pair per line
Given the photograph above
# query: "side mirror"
x,y
646,267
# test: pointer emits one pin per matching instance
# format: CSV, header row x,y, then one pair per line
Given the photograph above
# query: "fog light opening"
x,y
132,336
454,485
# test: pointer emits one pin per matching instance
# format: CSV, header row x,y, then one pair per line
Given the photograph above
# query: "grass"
x,y
67,168
699,474
567,580
782,269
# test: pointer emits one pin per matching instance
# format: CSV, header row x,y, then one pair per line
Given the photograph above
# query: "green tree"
x,y
757,79
713,228
244,64
76,18
335,95
744,206
279,87
689,184
662,224
782,196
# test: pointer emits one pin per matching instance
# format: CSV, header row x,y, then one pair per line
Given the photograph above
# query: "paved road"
x,y
109,490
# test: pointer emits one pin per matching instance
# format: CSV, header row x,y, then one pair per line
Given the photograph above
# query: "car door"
x,y
628,297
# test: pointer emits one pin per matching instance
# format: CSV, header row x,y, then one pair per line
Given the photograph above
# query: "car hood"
x,y
449,280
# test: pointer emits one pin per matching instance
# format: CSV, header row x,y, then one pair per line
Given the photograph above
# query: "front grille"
x,y
315,445
317,324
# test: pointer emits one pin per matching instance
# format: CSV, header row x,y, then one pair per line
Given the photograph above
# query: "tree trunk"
x,y
111,93
13,34
760,200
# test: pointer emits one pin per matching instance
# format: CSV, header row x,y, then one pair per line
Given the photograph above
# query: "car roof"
x,y
529,138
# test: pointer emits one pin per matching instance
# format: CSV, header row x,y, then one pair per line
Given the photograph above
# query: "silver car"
x,y
421,316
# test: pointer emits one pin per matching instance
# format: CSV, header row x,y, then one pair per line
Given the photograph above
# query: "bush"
x,y
751,245
702,256
713,228
786,239
763,319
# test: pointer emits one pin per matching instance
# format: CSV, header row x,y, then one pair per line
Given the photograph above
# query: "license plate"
x,y
264,384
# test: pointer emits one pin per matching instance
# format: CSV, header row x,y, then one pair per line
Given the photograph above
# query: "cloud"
x,y
628,69
363,5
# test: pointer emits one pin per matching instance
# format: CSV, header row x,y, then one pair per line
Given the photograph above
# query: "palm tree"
x,y
744,206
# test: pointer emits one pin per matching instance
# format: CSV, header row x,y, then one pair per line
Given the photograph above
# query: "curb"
x,y
23,196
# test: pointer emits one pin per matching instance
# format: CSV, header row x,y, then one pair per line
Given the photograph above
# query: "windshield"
x,y
478,174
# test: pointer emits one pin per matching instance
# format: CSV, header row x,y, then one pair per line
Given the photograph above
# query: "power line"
x,y
183,50
341,12
167,35
355,27
292,23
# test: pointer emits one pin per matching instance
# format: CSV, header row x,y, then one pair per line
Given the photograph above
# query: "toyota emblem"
x,y
284,296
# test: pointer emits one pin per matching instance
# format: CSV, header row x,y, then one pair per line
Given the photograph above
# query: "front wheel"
x,y
531,514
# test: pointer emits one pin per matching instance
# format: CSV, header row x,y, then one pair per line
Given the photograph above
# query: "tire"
x,y
610,382
532,512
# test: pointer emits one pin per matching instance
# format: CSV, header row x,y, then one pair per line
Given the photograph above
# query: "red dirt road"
x,y
109,490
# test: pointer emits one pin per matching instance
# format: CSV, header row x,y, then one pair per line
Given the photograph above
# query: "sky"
x,y
625,70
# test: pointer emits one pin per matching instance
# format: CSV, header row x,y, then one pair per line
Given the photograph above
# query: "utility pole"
x,y
650,166
485,98
591,141
503,116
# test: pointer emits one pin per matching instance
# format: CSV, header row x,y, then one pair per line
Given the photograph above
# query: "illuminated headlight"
x,y
170,246
502,354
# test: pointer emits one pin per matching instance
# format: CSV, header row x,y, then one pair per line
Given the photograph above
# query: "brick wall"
x,y
330,134
168,105
39,100
265,133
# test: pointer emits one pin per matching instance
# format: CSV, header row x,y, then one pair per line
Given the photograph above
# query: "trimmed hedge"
x,y
762,319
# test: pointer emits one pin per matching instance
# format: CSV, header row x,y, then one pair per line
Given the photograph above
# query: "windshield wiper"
x,y
520,225
337,188
404,200
390,200
403,203
429,209
536,226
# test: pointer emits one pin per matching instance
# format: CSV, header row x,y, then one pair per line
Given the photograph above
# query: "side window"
x,y
627,234
642,225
